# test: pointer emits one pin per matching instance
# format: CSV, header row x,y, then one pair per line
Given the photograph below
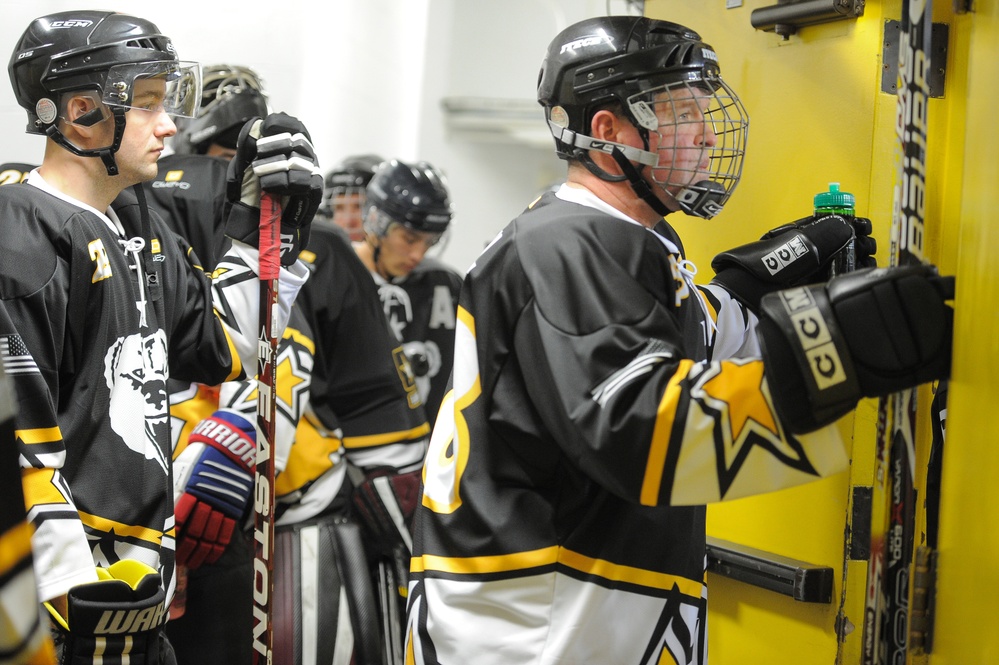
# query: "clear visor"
x,y
171,87
380,224
698,131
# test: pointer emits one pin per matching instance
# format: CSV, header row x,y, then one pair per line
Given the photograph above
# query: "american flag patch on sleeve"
x,y
16,357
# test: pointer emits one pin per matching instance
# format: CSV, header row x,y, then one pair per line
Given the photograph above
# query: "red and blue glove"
x,y
213,481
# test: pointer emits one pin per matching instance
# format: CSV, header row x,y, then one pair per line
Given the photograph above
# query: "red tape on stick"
x,y
263,491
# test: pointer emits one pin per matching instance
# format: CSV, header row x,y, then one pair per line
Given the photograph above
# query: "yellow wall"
x,y
966,629
818,115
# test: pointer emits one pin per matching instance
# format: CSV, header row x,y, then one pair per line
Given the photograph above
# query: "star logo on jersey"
x,y
293,370
735,394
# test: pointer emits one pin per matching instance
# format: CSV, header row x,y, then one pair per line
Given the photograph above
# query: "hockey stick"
x,y
264,472
893,529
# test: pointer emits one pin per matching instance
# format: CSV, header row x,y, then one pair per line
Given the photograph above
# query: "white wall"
x,y
369,76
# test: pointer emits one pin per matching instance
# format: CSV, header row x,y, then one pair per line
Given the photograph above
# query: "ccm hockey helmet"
x,y
414,195
104,54
653,72
231,96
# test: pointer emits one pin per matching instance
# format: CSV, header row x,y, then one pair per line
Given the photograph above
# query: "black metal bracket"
x,y
788,16
939,41
800,580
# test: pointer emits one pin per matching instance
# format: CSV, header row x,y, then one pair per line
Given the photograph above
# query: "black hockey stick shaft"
x,y
264,472
891,562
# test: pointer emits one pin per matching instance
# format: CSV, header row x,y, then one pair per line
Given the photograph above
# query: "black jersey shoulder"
x,y
584,265
34,224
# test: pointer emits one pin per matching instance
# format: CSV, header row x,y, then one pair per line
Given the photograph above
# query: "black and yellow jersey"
x,y
599,401
96,314
345,393
25,638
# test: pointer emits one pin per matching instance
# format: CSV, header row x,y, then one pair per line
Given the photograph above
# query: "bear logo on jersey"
x,y
135,374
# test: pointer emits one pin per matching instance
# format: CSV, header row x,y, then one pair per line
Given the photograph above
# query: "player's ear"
x,y
83,111
605,125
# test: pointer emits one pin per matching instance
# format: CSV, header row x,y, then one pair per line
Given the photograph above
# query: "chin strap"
x,y
639,184
107,153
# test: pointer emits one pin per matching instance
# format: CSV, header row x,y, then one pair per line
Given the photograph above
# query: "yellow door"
x,y
819,115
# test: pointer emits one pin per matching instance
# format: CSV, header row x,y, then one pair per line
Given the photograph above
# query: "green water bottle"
x,y
835,202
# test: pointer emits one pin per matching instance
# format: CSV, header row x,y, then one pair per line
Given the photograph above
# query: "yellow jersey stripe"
x,y
15,546
39,435
665,418
129,530
466,318
601,568
39,488
388,437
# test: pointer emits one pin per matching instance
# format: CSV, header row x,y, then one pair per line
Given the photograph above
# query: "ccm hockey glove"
x,y
864,334
793,254
274,155
213,478
116,619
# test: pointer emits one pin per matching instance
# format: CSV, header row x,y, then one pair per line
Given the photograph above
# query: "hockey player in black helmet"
x,y
101,303
408,212
231,95
344,193
652,74
601,398
364,412
114,62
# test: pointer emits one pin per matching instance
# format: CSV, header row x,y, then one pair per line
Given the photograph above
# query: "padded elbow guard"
x,y
864,334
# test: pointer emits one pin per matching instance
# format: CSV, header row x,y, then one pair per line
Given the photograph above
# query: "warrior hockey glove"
x,y
214,479
864,334
793,254
274,155
386,501
116,619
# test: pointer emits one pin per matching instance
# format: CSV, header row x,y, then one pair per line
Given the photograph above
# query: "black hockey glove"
x,y
118,618
274,155
864,334
386,501
792,254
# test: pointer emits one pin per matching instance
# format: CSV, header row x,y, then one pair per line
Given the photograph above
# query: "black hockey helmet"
x,y
231,95
350,176
632,63
353,171
414,195
101,52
